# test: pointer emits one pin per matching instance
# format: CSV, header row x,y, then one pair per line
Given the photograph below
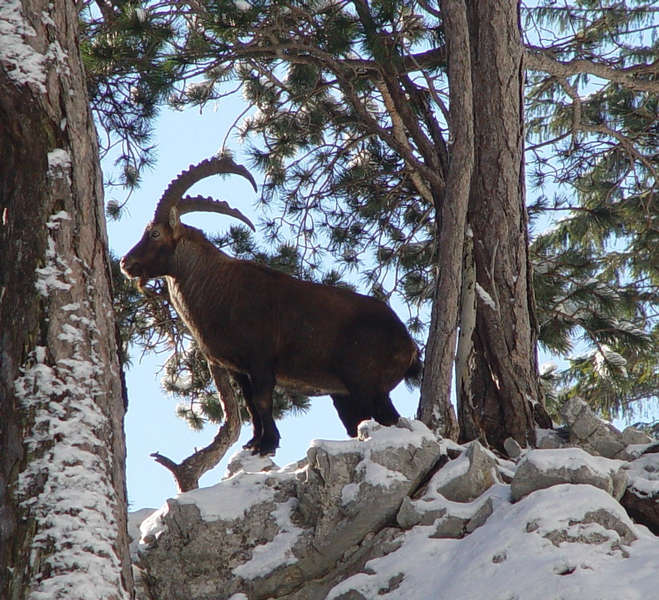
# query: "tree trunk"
x,y
503,366
62,449
435,409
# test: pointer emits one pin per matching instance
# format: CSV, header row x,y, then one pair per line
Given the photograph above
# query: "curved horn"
x,y
206,204
185,180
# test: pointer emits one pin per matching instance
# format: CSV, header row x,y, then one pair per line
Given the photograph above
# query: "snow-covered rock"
x,y
568,542
541,469
398,514
550,439
641,499
267,533
468,476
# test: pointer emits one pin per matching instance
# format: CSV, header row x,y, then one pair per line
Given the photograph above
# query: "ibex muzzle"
x,y
268,328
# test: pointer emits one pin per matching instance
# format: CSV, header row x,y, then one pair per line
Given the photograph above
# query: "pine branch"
x,y
578,124
539,59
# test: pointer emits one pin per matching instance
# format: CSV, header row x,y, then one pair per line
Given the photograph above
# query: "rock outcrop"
x,y
597,436
397,513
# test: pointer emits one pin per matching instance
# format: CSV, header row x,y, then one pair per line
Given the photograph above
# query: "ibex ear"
x,y
174,219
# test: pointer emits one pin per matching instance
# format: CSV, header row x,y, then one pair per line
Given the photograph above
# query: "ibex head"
x,y
150,257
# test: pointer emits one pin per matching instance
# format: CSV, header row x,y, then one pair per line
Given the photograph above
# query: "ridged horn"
x,y
206,204
217,165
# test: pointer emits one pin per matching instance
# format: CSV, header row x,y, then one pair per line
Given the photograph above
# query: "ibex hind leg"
x,y
361,405
384,412
350,413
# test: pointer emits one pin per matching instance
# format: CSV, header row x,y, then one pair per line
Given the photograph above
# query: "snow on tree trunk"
x,y
62,447
503,365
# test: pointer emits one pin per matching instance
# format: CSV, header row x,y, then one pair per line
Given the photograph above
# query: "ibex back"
x,y
268,328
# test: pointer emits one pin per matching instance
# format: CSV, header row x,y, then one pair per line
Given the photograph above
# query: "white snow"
x,y
567,542
267,557
56,273
509,557
59,163
230,499
572,459
378,438
644,475
547,368
605,357
374,438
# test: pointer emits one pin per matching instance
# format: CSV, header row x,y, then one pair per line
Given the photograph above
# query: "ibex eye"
x,y
155,234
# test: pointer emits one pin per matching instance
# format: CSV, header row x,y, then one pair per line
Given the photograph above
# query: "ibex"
x,y
266,327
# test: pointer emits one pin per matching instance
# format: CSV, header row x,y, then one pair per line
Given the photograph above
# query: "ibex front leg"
x,y
259,405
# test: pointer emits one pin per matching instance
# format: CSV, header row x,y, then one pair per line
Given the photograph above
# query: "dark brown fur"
x,y
269,328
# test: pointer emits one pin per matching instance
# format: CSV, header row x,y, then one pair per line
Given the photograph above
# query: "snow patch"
x,y
232,498
277,553
514,559
547,368
65,486
59,164
56,273
572,459
644,475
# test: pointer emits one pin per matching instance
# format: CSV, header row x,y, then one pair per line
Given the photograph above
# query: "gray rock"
x,y
480,516
550,439
512,448
453,502
631,435
541,469
468,476
449,520
590,432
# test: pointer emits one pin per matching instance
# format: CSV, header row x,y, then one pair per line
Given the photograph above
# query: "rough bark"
x,y
464,355
435,409
62,449
504,382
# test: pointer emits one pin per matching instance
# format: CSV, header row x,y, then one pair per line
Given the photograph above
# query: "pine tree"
x,y
348,117
593,99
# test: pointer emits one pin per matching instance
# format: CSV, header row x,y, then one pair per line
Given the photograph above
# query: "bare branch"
x,y
188,472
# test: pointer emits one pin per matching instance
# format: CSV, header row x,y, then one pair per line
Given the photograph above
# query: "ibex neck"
x,y
197,280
